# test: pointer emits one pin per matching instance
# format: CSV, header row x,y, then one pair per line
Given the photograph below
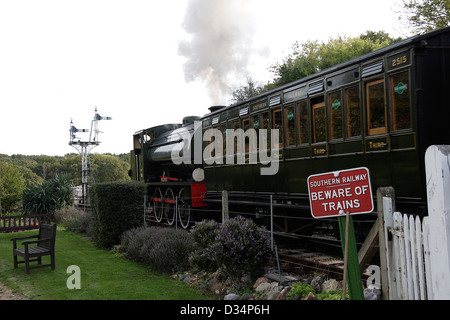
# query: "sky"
x,y
146,63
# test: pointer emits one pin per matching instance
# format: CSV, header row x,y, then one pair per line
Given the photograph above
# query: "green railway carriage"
x,y
380,111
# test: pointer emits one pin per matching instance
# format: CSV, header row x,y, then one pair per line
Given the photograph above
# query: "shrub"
x,y
74,219
204,234
166,249
116,207
239,246
302,290
48,197
243,247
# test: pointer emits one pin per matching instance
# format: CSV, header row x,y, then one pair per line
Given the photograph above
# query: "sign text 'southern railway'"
x,y
335,193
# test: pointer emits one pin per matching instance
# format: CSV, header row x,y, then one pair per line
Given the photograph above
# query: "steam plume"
x,y
219,44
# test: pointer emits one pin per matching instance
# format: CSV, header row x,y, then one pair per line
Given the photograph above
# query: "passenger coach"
x,y
380,111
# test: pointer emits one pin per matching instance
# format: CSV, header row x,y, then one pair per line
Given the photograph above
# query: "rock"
x,y
231,296
310,296
246,279
330,285
188,278
372,293
273,292
265,286
246,296
316,284
259,281
283,294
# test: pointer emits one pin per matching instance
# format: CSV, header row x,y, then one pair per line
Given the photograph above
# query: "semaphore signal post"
x,y
84,148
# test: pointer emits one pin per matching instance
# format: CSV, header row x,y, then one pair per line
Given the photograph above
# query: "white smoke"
x,y
219,45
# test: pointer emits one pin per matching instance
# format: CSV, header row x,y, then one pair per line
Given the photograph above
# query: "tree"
x,y
12,185
250,89
109,168
312,56
426,15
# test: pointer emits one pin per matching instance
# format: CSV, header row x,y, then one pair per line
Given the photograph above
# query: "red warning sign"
x,y
336,193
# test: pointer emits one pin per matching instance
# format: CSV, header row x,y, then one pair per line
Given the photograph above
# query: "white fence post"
x,y
437,160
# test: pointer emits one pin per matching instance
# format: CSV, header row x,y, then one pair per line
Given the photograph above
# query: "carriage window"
x,y
245,127
255,125
223,129
353,111
335,111
400,101
302,115
235,127
265,124
278,124
289,120
319,122
376,107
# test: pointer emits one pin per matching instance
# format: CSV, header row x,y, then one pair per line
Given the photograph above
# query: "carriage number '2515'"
x,y
398,61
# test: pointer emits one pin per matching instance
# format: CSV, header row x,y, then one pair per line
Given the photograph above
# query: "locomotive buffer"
x,y
84,148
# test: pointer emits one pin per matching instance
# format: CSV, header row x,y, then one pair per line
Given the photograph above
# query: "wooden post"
x,y
437,166
369,247
383,239
225,210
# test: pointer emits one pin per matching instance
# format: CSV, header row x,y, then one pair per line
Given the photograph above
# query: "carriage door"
x,y
376,108
319,122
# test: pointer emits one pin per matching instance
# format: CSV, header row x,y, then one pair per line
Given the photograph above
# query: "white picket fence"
x,y
407,255
417,252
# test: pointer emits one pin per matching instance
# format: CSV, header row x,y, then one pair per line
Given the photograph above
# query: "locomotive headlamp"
x,y
198,175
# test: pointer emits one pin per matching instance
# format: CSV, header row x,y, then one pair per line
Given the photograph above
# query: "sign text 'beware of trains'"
x,y
336,193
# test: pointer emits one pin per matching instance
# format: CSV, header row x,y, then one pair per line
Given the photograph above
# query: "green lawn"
x,y
104,276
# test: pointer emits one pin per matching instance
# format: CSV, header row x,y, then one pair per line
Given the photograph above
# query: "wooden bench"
x,y
45,246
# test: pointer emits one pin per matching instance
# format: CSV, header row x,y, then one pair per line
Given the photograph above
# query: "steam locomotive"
x,y
381,111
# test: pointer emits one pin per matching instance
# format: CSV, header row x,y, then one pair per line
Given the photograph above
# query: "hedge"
x,y
116,207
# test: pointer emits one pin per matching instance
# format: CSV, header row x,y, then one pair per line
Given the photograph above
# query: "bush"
x,y
116,207
74,219
166,249
204,234
302,290
239,246
48,197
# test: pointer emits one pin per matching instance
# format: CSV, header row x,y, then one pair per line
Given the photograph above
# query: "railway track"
x,y
299,261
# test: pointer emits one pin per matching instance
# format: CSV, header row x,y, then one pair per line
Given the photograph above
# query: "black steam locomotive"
x,y
381,111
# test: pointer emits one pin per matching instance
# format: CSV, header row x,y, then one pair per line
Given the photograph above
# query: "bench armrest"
x,y
14,240
23,238
26,243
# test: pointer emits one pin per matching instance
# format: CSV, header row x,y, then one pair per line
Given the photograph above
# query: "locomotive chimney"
x,y
215,108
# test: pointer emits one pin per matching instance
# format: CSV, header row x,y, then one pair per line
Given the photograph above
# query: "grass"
x,y
104,275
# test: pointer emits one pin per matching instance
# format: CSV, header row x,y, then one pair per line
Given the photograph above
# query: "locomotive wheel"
x,y
184,209
158,204
169,206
